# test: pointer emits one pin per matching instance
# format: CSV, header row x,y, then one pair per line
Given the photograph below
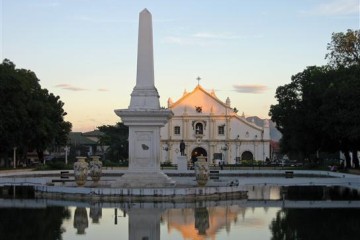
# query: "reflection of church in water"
x,y
202,223
212,128
144,223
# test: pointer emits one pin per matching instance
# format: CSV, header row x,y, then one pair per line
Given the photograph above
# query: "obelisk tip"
x,y
145,11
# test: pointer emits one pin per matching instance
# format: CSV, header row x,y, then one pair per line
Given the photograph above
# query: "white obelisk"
x,y
144,118
145,95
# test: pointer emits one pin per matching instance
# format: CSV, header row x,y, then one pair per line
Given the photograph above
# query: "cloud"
x,y
223,36
69,87
164,20
206,38
255,89
49,3
84,18
188,41
103,90
336,8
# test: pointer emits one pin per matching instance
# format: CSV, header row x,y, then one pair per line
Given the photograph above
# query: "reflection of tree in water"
x,y
320,193
25,224
316,224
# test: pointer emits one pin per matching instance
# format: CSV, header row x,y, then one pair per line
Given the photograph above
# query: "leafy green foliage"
x,y
344,49
31,118
116,137
319,109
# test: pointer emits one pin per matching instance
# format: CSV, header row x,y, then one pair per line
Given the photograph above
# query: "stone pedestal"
x,y
95,213
80,171
144,223
95,168
81,221
201,171
144,148
182,163
202,220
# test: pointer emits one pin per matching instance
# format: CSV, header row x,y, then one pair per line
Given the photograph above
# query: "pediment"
x,y
199,101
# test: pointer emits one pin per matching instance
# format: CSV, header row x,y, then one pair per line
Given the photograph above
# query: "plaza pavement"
x,y
187,178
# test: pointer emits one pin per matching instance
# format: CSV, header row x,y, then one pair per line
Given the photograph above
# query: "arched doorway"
x,y
197,152
247,155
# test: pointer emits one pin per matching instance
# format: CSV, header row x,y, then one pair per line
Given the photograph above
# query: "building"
x,y
86,144
212,128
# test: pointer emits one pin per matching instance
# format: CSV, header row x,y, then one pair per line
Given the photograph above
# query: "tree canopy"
x,y
344,49
116,137
319,109
31,118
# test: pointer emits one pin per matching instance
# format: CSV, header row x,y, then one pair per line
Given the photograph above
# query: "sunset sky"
x,y
85,50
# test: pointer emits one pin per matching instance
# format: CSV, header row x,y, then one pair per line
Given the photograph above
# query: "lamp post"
x,y
14,156
263,145
66,154
255,138
225,148
237,149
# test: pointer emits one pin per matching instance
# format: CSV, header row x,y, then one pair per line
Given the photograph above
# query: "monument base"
x,y
144,180
182,163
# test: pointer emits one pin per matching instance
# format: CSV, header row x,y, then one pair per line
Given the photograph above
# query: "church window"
x,y
177,130
221,130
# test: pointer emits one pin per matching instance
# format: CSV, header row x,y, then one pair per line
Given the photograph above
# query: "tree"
x,y
33,223
296,112
320,108
316,224
341,111
31,118
344,49
116,137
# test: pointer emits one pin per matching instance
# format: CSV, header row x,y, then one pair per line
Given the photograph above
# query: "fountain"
x,y
143,180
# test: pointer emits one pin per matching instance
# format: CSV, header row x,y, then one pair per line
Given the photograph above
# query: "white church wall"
x,y
237,137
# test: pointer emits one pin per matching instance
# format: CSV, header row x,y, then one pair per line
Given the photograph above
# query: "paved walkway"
x,y
229,183
245,177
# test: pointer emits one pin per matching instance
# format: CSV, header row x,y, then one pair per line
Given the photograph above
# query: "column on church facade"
x,y
213,127
185,123
211,151
212,139
184,128
170,151
227,139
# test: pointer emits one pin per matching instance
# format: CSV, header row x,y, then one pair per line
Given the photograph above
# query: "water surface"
x,y
269,213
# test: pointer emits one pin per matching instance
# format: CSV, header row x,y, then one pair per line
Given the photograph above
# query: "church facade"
x,y
211,128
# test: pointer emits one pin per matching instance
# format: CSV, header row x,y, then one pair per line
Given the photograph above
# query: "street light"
x,y
225,148
237,149
15,156
255,138
66,154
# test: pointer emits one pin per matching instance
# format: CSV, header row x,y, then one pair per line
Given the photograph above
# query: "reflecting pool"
x,y
269,213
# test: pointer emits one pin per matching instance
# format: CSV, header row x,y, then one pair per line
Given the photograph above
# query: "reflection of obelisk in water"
x,y
144,223
144,118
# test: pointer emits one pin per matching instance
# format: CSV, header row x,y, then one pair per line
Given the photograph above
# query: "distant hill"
x,y
275,135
